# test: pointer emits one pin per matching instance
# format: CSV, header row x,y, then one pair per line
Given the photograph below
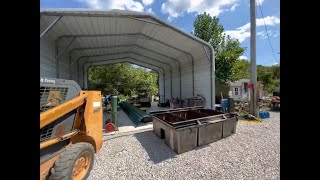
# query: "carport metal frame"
x,y
135,16
127,57
128,52
131,45
147,38
131,62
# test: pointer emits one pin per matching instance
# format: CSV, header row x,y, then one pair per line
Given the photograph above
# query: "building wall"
x,y
49,63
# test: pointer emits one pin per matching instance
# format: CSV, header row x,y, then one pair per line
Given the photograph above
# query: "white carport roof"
x,y
90,36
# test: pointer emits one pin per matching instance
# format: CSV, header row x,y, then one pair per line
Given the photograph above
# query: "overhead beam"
x,y
148,38
122,53
118,46
179,68
50,26
160,68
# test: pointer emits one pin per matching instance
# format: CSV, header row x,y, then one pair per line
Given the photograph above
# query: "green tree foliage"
x,y
122,78
241,70
227,51
270,77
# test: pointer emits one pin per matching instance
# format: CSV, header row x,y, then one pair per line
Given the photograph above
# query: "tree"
x,y
241,70
122,78
270,77
227,51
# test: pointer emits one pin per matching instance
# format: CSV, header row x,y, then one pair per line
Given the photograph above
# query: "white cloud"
x,y
149,2
114,4
241,35
269,20
150,11
276,34
177,8
243,57
170,19
234,7
257,2
243,32
263,34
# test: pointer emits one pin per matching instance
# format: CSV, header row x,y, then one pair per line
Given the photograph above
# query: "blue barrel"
x,y
262,114
225,103
267,114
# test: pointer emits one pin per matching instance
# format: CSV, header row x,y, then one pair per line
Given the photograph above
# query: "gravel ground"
x,y
252,153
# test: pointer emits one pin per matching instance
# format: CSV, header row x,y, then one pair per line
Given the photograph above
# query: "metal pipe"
x,y
50,26
51,115
58,139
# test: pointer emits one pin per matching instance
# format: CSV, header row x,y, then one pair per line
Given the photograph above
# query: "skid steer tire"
x,y
74,163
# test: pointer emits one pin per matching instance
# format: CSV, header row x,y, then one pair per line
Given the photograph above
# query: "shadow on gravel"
x,y
156,148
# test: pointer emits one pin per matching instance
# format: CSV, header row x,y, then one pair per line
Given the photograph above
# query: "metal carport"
x,y
72,40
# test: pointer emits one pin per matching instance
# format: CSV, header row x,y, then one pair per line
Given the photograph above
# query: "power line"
x,y
267,32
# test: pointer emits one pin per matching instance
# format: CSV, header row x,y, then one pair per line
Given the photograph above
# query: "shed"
x,y
72,40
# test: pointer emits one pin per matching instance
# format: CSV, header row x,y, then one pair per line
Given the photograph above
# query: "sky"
x,y
234,15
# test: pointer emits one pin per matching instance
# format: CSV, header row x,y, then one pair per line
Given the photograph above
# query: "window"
x,y
245,87
236,91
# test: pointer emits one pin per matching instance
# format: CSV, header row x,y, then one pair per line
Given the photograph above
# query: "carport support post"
x,y
170,83
78,74
180,84
213,81
114,107
193,78
59,55
70,69
164,84
57,64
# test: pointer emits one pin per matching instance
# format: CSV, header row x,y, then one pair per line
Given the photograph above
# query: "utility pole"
x,y
253,66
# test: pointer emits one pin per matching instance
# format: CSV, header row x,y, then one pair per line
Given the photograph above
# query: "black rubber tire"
x,y
63,167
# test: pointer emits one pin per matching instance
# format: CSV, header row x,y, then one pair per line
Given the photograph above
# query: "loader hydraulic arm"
x,y
59,111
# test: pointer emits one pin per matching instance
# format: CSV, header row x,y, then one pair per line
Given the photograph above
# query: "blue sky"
x,y
234,15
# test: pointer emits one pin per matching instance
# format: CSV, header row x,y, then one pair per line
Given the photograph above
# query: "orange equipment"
x,y
70,129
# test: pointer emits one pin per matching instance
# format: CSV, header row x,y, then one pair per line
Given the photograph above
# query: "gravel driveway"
x,y
252,153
